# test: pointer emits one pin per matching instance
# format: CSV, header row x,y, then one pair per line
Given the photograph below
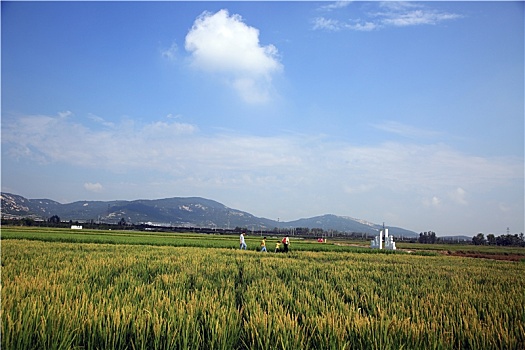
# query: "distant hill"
x,y
178,211
191,211
347,224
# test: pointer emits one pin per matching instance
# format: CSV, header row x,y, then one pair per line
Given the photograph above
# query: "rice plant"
x,y
116,296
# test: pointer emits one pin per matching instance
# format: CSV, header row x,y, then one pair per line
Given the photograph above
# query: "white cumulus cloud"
x,y
224,44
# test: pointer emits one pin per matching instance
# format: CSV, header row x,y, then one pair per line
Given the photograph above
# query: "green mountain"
x,y
178,211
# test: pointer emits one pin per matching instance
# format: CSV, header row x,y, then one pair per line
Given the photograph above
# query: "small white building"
x,y
76,227
377,242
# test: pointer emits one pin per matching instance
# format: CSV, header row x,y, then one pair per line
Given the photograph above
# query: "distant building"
x,y
377,242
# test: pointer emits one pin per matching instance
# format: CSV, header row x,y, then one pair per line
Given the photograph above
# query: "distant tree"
x,y
502,240
479,239
511,240
491,239
302,230
28,222
54,219
427,237
317,231
122,222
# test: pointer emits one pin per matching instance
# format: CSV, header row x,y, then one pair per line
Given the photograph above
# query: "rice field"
x,y
63,295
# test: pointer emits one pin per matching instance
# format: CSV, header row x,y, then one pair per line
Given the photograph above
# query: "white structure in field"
x,y
76,227
377,242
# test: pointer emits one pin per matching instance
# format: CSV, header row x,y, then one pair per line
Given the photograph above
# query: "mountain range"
x,y
177,211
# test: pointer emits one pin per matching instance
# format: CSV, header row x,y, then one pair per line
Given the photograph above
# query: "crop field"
x,y
160,239
125,290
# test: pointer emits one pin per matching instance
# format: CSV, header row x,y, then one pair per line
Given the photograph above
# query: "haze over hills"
x,y
177,211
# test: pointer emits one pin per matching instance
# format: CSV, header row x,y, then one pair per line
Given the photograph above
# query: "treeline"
x,y
430,237
55,221
514,240
427,237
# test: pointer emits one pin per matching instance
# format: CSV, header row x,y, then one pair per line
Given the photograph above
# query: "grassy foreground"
x,y
58,295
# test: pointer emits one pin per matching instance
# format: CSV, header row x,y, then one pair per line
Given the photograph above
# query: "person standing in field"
x,y
277,247
286,243
243,243
263,245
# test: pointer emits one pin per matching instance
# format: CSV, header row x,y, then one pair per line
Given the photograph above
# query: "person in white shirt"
x,y
243,243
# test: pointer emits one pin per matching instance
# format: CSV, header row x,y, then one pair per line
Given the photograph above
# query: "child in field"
x,y
263,245
277,247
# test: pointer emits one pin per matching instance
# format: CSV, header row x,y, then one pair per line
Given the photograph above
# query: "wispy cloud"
x,y
387,14
435,202
401,14
171,52
327,23
403,166
101,121
180,149
225,45
93,187
335,25
459,195
49,139
328,174
334,5
405,130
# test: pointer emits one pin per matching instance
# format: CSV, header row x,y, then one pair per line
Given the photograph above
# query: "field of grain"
x,y
63,295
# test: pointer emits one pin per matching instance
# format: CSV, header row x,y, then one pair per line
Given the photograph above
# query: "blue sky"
x,y
408,113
